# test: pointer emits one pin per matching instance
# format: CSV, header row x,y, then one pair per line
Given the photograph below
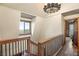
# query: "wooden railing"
x,y
34,48
26,47
51,46
15,47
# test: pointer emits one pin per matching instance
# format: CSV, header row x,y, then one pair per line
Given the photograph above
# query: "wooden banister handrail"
x,y
33,43
4,41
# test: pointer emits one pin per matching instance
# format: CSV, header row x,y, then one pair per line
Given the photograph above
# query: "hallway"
x,y
68,49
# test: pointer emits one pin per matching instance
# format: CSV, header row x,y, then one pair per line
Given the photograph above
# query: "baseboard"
x,y
58,51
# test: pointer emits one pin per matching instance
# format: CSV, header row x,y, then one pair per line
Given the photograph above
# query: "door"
x,y
75,37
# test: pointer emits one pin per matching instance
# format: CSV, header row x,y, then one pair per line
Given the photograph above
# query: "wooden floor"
x,y
27,54
68,49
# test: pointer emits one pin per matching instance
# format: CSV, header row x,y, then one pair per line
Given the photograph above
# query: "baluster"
x,y
15,48
40,50
11,53
5,50
21,46
12,48
9,49
25,45
18,47
1,50
7,46
31,47
45,52
28,45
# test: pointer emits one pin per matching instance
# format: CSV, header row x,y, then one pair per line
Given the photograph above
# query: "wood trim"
x,y
34,43
40,50
1,50
78,32
65,30
28,46
13,40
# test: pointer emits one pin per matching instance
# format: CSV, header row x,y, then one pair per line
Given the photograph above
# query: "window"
x,y
25,27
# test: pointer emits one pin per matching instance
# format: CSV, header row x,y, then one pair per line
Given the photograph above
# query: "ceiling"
x,y
35,9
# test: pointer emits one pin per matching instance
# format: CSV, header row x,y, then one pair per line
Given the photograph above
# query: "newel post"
x,y
28,45
40,50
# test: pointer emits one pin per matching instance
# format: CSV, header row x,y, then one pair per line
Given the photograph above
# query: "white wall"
x,y
51,27
9,22
36,28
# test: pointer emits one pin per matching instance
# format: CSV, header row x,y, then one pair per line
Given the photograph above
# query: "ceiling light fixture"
x,y
51,7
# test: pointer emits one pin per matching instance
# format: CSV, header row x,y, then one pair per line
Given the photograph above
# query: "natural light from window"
x,y
24,27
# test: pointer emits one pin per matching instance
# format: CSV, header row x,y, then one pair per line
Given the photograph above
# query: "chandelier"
x,y
51,7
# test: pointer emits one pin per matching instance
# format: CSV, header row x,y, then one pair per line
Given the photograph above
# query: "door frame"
x,y
65,30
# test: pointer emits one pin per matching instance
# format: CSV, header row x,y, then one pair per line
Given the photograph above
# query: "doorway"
x,y
71,30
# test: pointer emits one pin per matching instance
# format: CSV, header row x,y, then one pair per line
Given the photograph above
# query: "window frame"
x,y
25,21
